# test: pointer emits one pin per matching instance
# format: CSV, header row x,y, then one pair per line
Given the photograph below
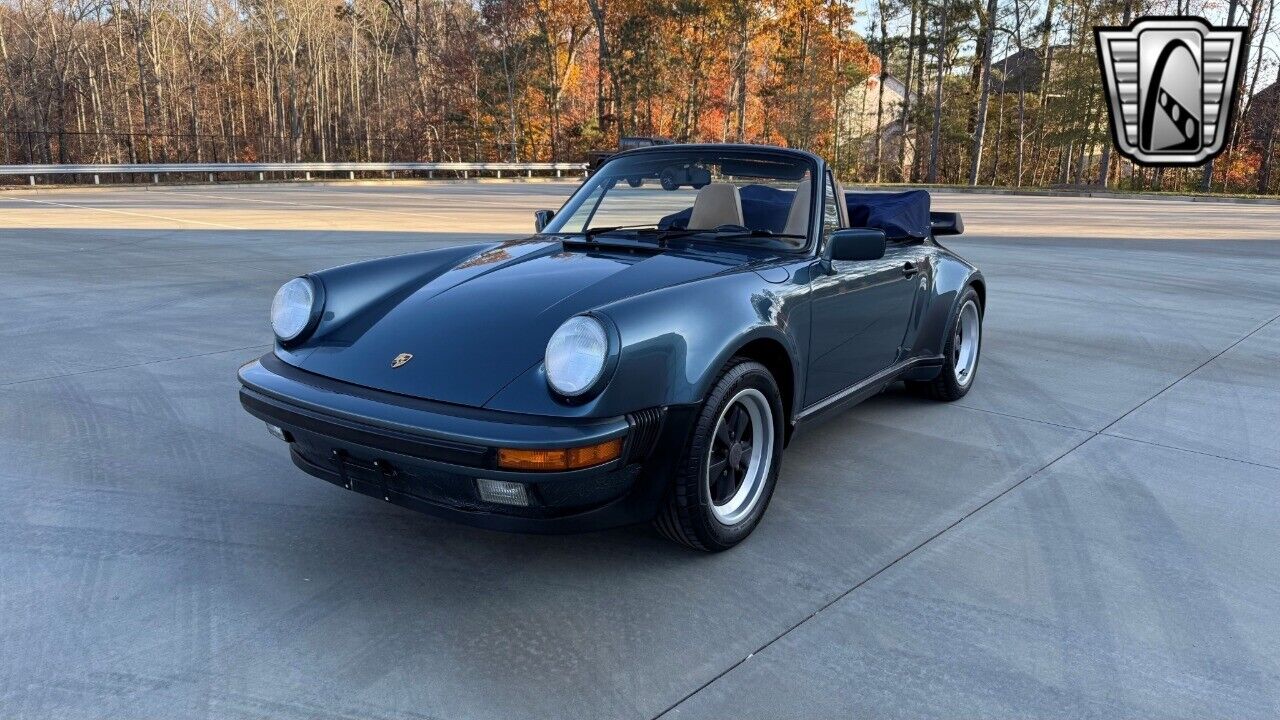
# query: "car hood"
x,y
478,325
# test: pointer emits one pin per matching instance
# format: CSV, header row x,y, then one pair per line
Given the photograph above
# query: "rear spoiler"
x,y
945,223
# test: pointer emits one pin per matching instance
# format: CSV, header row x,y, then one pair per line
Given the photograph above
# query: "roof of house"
x,y
1261,112
893,83
1020,70
1267,95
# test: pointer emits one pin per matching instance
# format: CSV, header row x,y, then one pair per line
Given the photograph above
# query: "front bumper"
x,y
428,455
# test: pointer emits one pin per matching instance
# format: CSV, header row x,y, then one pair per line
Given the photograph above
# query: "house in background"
x,y
1261,115
1022,70
859,118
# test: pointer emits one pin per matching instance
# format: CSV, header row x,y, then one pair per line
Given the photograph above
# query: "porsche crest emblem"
x,y
401,359
1170,84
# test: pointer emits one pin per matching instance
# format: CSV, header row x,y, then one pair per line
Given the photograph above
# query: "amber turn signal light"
x,y
560,459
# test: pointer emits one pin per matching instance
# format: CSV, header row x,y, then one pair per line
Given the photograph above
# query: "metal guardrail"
x,y
155,170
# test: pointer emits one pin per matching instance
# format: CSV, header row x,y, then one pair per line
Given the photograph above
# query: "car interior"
x,y
765,196
757,207
715,205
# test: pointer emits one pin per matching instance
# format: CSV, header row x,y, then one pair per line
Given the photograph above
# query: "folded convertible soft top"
x,y
900,215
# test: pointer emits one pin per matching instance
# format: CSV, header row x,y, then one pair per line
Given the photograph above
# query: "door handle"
x,y
909,269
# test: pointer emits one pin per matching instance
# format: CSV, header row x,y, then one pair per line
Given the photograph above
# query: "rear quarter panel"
x,y
951,275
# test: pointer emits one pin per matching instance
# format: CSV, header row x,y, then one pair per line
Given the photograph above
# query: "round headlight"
x,y
576,355
291,308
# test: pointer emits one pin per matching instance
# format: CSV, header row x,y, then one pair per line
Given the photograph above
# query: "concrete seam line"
x,y
131,365
126,212
1188,374
1019,417
1189,450
876,574
1114,435
1117,436
1006,491
378,211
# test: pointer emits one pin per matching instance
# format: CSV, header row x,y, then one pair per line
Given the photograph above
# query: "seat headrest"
x,y
716,204
798,216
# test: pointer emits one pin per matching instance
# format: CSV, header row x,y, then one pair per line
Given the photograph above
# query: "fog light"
x,y
560,459
502,492
279,432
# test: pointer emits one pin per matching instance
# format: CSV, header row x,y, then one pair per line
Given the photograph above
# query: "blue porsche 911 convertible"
x,y
645,356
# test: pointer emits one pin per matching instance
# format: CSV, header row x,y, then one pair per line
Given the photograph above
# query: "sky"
x,y
1215,11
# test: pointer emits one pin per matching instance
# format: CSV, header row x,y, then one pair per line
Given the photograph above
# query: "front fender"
x,y
673,343
360,292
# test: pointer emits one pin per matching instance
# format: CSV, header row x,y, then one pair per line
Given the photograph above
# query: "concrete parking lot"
x,y
1092,532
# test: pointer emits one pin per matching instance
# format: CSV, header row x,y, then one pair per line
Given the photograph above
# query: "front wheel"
x,y
725,480
960,353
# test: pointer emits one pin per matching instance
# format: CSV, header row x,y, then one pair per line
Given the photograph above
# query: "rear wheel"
x,y
726,477
960,354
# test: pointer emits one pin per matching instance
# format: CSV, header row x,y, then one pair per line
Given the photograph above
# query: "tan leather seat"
x,y
716,204
798,215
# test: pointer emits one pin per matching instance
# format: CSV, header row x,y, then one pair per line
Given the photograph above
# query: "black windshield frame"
x,y
590,190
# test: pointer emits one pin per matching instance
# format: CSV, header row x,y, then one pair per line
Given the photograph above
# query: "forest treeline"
x,y
990,92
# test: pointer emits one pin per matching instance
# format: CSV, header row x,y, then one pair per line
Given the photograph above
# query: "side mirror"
x,y
946,223
856,244
541,218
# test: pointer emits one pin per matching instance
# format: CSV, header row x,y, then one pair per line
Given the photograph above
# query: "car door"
x,y
860,311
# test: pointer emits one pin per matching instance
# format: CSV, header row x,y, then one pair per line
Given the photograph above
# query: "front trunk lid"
x,y
476,327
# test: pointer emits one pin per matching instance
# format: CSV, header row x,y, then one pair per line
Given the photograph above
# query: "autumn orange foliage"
x,y
418,79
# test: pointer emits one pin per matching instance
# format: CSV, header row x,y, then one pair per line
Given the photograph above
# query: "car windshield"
x,y
752,198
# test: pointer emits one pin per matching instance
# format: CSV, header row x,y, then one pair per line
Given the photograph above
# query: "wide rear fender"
x,y
951,276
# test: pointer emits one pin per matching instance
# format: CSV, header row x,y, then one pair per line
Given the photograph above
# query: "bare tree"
x,y
904,119
989,25
1206,178
883,6
937,94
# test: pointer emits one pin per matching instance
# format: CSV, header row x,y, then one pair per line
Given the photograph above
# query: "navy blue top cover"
x,y
900,215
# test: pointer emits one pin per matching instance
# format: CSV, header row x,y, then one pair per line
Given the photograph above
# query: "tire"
x,y
715,513
668,181
960,365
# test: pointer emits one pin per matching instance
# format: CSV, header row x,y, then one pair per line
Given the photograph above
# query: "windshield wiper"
x,y
662,235
591,233
669,233
759,234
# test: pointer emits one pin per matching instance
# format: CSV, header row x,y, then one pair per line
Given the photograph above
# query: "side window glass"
x,y
830,211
